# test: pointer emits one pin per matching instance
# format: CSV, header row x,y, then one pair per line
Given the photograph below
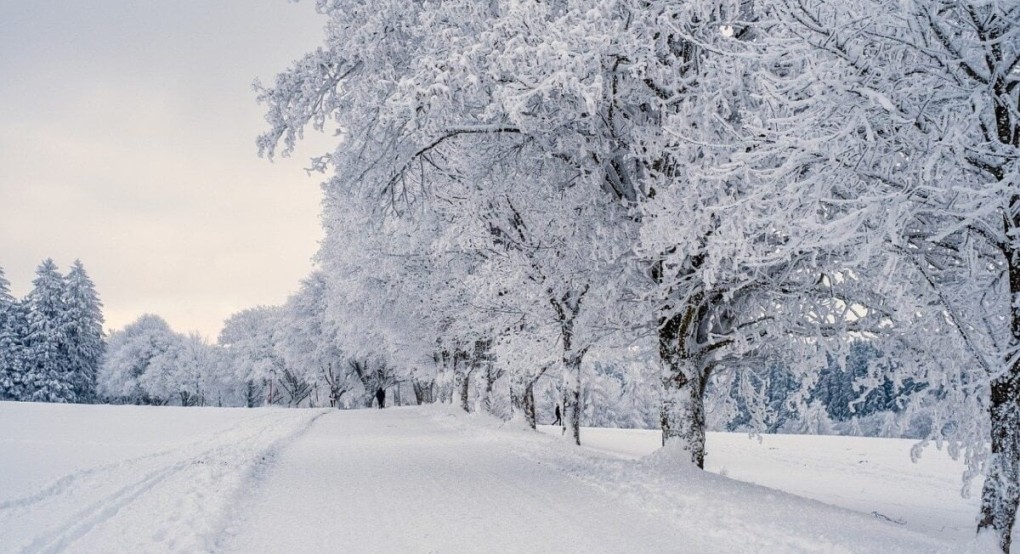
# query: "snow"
x,y
126,478
869,475
399,482
147,479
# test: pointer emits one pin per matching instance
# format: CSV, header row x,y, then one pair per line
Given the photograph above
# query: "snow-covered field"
x,y
129,479
143,479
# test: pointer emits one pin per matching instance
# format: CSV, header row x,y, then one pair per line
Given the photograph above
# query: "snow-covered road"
x,y
395,481
428,480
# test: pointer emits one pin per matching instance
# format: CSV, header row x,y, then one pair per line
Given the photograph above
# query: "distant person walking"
x,y
559,420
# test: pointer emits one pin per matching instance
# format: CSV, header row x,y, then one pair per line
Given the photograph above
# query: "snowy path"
x,y
409,480
394,481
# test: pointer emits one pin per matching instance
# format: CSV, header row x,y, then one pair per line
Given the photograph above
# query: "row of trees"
x,y
264,356
51,341
522,189
285,356
149,363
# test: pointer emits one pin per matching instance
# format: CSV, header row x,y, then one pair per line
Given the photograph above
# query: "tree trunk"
x,y
465,386
567,309
490,383
1001,493
529,405
423,391
449,378
270,393
446,391
251,393
572,397
419,393
522,399
682,414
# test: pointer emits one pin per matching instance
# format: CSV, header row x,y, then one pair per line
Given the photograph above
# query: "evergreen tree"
x,y
855,385
18,335
47,365
11,382
84,331
861,386
761,398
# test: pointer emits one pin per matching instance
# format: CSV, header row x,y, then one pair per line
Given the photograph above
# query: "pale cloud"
x,y
127,140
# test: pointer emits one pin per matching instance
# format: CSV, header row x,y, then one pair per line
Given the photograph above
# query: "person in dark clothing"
x,y
380,397
558,421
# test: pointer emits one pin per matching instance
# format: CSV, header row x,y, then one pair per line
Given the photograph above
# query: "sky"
x,y
127,140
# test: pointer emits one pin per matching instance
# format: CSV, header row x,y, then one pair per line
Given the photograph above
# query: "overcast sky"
x,y
127,132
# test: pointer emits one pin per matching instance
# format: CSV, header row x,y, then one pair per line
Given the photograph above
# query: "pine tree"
x,y
859,386
84,331
11,382
47,364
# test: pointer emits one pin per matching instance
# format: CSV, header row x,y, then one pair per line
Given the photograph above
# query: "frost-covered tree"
x,y
551,259
51,343
616,99
48,373
847,393
307,342
11,337
747,256
84,329
621,392
843,387
249,339
129,356
757,399
396,290
375,378
218,384
179,371
419,107
919,103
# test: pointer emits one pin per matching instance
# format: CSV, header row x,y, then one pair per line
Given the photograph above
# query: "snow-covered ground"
x,y
137,479
130,479
870,475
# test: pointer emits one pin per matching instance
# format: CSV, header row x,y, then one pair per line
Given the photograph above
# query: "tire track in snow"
x,y
69,483
244,497
98,512
199,479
